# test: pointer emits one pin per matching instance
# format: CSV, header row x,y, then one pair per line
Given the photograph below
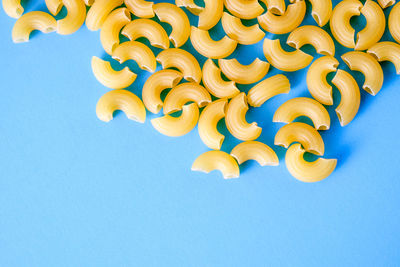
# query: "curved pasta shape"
x,y
35,20
185,62
244,74
235,29
75,17
140,8
386,3
369,67
350,96
190,5
148,29
13,8
211,14
99,12
138,52
317,84
394,22
235,120
305,171
244,9
267,89
285,23
217,160
283,60
386,51
340,21
178,20
321,11
376,24
312,35
89,2
157,83
54,6
123,100
208,121
214,83
207,47
276,7
110,78
303,106
302,133
254,150
112,26
183,93
175,127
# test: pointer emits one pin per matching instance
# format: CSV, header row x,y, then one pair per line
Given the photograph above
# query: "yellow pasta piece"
x,y
244,74
350,96
189,5
138,52
394,22
214,83
340,21
184,93
185,62
386,3
321,11
112,26
123,100
208,121
13,8
301,133
285,23
217,160
375,27
207,47
267,89
157,83
110,78
178,126
211,14
99,12
317,84
303,106
387,51
369,67
148,29
244,9
35,20
305,171
276,7
254,150
140,8
178,20
75,17
235,120
54,6
89,2
235,29
283,60
312,35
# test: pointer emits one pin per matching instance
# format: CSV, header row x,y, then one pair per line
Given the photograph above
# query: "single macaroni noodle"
x,y
255,150
140,8
99,12
148,29
217,160
235,29
27,23
244,74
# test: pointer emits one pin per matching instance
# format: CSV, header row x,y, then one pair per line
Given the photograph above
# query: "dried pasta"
x,y
75,17
244,74
321,11
112,26
255,150
148,29
242,34
35,20
189,5
99,12
244,9
138,52
276,7
386,51
211,14
140,8
394,22
217,160
54,6
386,3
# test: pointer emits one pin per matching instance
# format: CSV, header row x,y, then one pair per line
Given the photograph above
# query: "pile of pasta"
x,y
201,94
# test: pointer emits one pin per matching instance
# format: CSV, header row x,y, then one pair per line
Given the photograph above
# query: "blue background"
x,y
75,191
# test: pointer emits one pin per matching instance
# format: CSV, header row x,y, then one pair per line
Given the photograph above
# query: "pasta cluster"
x,y
200,96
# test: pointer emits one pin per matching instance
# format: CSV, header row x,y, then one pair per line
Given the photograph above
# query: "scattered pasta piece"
x,y
244,74
394,22
244,9
112,26
242,34
148,29
140,8
35,20
267,89
254,150
99,12
138,52
386,51
217,160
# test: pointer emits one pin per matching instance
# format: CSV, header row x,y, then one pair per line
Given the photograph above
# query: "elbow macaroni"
x,y
75,17
99,12
394,22
138,52
110,78
211,14
208,121
321,11
244,74
148,29
35,20
303,106
267,89
214,83
254,150
235,29
54,6
123,100
217,160
386,3
178,20
276,7
112,26
235,120
386,51
157,83
189,5
244,9
140,8
13,8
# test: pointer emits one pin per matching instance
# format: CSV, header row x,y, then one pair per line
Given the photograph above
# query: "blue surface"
x,y
75,191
